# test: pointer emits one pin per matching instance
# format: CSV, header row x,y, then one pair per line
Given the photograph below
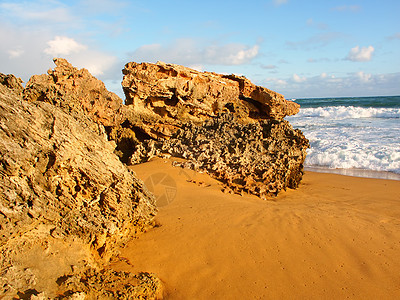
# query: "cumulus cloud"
x,y
189,52
364,77
62,45
360,54
298,78
80,55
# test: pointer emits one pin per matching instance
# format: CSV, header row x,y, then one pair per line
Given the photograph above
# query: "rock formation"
x,y
222,124
162,97
11,82
75,90
66,200
260,158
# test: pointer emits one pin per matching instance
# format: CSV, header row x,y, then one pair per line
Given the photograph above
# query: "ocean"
x,y
358,136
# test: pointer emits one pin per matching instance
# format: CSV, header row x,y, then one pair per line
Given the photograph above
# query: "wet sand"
x,y
335,237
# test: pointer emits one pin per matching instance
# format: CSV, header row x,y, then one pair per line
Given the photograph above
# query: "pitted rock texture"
x,y
221,123
75,90
163,97
60,184
108,284
260,158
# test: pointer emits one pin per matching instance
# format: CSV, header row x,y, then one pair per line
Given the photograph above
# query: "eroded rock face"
x,y
12,83
222,124
66,200
108,284
163,97
75,90
260,158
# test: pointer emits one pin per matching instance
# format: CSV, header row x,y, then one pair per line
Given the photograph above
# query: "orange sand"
x,y
335,237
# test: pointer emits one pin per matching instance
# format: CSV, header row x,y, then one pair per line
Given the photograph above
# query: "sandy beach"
x,y
335,237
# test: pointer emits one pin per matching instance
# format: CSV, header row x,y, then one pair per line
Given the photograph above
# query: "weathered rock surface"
x,y
260,158
165,96
66,200
223,124
11,82
109,284
75,90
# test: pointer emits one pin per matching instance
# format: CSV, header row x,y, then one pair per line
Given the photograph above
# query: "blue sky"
x,y
298,48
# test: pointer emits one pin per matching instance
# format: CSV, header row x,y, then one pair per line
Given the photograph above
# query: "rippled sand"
x,y
335,237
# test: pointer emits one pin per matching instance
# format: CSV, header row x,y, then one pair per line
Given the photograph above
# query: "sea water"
x,y
356,136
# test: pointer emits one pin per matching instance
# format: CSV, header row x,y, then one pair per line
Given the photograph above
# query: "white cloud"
x,y
275,82
96,62
243,55
189,52
298,79
37,11
197,67
62,45
80,55
329,85
364,77
15,53
358,54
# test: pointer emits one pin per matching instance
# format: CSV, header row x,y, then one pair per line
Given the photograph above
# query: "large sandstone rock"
x,y
66,200
162,97
75,90
222,124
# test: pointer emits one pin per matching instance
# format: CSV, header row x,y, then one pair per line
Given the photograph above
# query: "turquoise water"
x,y
355,133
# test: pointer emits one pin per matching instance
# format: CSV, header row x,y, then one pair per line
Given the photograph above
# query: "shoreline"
x,y
334,237
360,173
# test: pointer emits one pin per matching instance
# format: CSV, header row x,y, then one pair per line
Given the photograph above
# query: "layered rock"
x,y
66,200
165,96
223,124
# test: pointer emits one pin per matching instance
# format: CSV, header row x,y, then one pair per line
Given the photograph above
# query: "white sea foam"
x,y
342,112
351,137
